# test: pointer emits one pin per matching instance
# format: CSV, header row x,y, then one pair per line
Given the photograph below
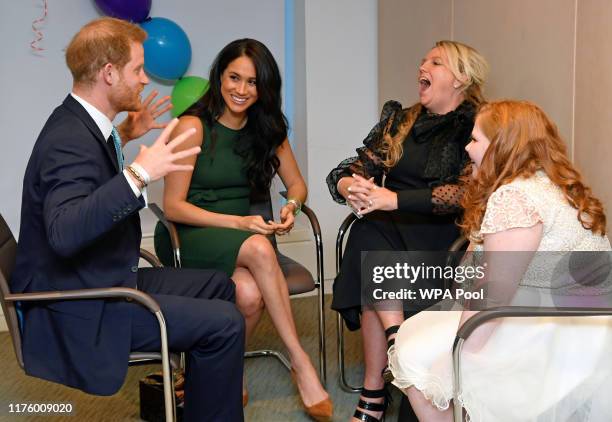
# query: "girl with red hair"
x,y
530,217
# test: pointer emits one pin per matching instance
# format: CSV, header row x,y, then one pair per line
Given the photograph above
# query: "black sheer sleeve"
x,y
441,199
369,160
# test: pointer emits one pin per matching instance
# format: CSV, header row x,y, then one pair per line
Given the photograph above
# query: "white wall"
x,y
341,96
34,84
31,85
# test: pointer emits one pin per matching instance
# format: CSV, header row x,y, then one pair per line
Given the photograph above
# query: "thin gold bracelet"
x,y
137,175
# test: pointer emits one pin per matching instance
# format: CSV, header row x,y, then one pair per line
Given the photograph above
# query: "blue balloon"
x,y
167,49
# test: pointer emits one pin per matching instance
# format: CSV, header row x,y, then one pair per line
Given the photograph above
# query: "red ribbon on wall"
x,y
39,34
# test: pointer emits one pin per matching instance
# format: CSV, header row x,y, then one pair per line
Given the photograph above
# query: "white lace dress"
x,y
530,369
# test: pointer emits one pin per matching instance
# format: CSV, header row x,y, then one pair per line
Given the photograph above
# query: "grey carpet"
x,y
273,397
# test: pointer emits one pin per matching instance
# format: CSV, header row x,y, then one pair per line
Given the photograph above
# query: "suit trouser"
x,y
201,320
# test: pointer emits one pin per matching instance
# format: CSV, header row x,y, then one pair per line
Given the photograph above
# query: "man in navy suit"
x,y
80,229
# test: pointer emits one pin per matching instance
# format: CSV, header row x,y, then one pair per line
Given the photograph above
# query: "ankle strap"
x,y
373,407
374,394
364,417
389,332
392,330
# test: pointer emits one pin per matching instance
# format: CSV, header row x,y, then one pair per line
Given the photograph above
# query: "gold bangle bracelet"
x,y
137,175
296,203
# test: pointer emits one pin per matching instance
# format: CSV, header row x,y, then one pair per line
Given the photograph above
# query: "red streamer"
x,y
39,34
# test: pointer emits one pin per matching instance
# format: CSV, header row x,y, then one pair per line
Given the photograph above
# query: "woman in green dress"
x,y
243,135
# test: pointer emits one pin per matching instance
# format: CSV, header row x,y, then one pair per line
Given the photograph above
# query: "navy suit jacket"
x,y
79,229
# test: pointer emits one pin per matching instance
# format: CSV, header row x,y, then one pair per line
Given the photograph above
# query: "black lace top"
x,y
426,178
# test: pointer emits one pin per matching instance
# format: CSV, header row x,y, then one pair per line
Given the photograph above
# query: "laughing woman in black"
x,y
420,151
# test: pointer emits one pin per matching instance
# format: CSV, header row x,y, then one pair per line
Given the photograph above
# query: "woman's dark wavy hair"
x,y
266,126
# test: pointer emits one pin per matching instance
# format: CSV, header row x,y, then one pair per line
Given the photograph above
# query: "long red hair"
x,y
523,141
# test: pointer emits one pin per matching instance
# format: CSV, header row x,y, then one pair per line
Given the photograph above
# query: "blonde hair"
x,y
102,41
468,66
523,141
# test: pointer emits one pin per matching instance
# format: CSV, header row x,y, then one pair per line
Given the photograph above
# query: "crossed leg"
x,y
260,281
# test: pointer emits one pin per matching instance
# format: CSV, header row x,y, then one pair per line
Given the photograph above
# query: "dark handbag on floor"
x,y
152,407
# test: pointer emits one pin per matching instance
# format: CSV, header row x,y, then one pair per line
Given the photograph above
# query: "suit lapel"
x,y
73,105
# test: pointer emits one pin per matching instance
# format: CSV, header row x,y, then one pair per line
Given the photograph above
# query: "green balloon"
x,y
186,92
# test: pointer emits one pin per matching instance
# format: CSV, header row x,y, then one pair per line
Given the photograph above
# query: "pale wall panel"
x,y
529,45
341,96
593,133
407,30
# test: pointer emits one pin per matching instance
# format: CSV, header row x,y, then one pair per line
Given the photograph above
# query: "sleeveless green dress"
x,y
218,184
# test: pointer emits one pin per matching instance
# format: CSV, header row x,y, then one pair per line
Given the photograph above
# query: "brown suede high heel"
x,y
321,411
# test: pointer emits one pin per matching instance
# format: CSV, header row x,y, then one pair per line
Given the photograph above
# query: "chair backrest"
x,y
457,250
455,255
8,251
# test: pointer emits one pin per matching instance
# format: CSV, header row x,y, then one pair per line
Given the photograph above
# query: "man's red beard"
x,y
126,99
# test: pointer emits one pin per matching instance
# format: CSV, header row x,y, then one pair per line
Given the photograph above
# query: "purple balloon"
x,y
131,10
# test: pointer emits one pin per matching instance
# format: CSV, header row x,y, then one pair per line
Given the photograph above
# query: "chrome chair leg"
x,y
321,309
170,404
344,385
457,408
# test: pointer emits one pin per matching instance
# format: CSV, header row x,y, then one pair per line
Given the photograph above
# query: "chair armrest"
x,y
155,209
108,293
458,244
346,224
312,218
524,311
454,257
316,231
150,258
309,213
98,293
169,225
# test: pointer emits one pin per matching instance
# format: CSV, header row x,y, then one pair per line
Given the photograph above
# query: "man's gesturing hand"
x,y
158,159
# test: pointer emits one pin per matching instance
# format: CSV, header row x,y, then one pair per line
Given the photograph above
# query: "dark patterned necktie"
x,y
117,143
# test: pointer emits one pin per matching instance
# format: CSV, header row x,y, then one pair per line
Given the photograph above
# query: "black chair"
x,y
344,385
299,279
8,249
453,257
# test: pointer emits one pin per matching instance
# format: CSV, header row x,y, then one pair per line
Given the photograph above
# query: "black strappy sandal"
x,y
376,394
386,373
373,407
